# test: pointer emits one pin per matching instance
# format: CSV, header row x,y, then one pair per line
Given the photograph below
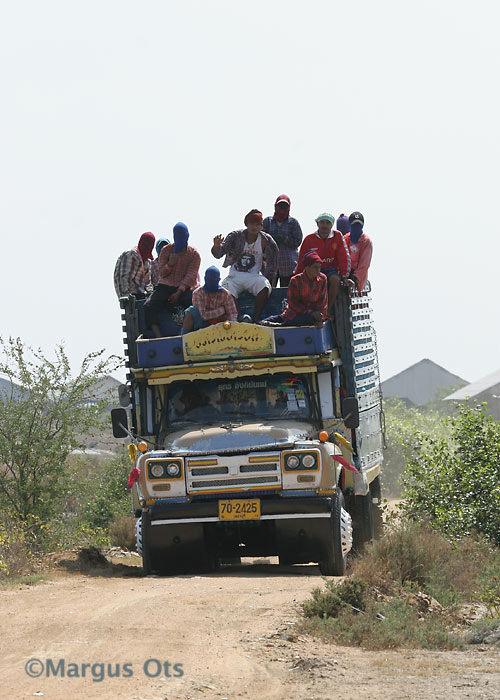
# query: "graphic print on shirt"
x,y
250,260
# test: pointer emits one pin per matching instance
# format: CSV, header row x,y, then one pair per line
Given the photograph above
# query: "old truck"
x,y
254,441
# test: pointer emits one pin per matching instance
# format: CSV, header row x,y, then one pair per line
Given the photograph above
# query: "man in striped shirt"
x,y
211,304
132,273
178,274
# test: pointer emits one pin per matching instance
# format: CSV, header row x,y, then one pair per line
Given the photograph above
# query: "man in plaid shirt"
x,y
211,304
307,297
132,273
287,234
178,275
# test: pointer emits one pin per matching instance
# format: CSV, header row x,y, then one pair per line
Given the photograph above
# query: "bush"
x,y
122,532
456,482
329,603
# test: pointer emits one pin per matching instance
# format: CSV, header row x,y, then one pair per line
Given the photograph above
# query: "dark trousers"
x,y
160,301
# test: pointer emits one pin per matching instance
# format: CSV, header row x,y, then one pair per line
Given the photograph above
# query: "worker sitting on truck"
x,y
211,304
178,275
332,249
360,249
307,296
132,273
155,272
287,234
252,256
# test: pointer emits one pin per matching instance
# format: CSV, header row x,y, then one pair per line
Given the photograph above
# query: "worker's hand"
x,y
350,282
175,296
317,315
218,241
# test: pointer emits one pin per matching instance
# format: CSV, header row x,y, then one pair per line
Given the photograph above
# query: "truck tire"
x,y
378,520
141,544
363,521
335,561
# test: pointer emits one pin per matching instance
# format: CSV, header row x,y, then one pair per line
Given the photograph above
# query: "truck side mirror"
x,y
350,412
119,421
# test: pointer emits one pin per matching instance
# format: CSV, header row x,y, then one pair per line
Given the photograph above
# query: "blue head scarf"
x,y
343,224
212,279
181,235
161,243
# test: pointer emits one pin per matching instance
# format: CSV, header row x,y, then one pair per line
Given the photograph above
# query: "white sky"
x,y
120,117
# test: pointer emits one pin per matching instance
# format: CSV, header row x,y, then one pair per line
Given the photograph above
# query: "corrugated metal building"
x,y
485,389
420,383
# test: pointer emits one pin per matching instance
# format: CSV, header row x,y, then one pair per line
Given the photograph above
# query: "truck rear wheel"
x,y
335,561
377,516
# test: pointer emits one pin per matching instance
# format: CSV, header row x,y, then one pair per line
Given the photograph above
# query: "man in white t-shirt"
x,y
252,257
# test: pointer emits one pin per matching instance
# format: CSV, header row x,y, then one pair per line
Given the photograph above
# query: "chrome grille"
x,y
208,471
214,483
245,468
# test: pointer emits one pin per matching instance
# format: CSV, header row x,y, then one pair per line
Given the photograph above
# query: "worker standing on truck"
x,y
343,224
211,304
252,256
178,275
307,296
287,234
132,273
332,249
360,249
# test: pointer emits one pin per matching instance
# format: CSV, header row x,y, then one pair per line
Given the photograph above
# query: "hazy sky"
x,y
120,117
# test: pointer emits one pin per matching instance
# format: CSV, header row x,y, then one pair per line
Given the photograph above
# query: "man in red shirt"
x,y
178,267
332,249
211,304
360,249
307,296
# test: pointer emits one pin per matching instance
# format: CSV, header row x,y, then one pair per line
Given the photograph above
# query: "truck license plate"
x,y
236,509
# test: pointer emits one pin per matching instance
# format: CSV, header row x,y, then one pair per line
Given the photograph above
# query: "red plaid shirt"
x,y
306,296
213,306
179,270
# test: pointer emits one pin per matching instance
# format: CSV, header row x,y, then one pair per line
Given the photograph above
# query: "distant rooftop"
x,y
475,388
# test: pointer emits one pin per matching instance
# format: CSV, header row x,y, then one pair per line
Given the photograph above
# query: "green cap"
x,y
325,217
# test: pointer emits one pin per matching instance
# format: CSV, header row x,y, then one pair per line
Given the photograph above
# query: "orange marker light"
x,y
227,325
142,446
323,436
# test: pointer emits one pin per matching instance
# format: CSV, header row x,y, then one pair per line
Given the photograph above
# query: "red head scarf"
x,y
146,245
282,212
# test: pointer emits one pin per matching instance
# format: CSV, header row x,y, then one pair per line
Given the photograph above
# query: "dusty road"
x,y
225,635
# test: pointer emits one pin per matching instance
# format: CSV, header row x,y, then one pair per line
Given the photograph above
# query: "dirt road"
x,y
225,635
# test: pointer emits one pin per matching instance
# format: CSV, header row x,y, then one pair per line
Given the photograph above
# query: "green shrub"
x,y
456,482
329,602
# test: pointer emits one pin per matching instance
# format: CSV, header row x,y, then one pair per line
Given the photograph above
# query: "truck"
x,y
253,441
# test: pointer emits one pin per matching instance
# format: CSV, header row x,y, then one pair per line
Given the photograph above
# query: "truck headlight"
x,y
173,469
292,461
157,470
308,461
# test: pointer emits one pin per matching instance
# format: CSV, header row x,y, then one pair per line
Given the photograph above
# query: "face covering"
x,y
161,243
282,212
181,235
356,231
145,245
212,279
343,224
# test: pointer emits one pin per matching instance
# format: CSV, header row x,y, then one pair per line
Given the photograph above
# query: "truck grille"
x,y
235,472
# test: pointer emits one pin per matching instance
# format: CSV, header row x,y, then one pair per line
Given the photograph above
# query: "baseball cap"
x,y
356,217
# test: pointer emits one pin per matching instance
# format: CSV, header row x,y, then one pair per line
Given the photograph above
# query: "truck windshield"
x,y
267,397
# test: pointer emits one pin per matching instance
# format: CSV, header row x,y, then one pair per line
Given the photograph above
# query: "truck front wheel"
x,y
340,540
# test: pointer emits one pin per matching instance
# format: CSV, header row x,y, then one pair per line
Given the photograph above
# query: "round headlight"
x,y
173,469
157,470
308,461
292,462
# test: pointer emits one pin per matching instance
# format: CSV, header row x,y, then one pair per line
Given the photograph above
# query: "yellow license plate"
x,y
239,509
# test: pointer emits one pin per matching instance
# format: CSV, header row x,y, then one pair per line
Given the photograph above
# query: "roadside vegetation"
x,y
51,497
438,560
